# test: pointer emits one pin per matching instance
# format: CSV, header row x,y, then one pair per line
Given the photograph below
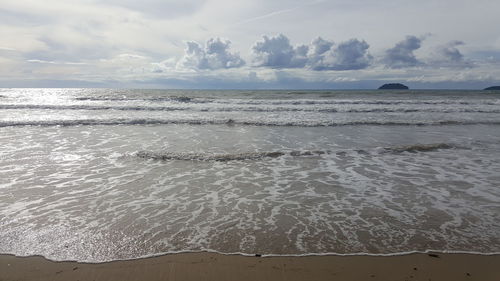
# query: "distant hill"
x,y
393,86
496,88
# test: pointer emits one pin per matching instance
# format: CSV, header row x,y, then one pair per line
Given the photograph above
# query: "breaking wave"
x,y
223,157
175,99
420,147
88,107
207,156
244,109
287,101
296,123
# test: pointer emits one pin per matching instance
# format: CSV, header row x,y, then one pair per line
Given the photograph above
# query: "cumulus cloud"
x,y
214,55
277,52
402,55
449,55
317,49
349,55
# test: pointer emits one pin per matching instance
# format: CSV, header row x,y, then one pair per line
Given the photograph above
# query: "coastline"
x,y
214,266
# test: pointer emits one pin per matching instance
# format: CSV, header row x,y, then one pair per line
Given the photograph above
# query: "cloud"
x,y
401,55
159,8
22,18
164,66
349,55
56,62
214,55
317,49
277,52
449,55
320,46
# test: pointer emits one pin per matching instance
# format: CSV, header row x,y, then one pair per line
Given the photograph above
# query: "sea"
x,y
96,175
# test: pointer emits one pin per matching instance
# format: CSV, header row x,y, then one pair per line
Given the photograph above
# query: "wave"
x,y
343,102
298,123
87,107
176,99
78,259
271,101
243,109
420,147
430,252
223,157
207,156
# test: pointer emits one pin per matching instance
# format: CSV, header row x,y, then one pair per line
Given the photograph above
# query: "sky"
x,y
257,44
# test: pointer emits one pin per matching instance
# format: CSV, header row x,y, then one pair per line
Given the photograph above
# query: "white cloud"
x,y
6,49
214,55
56,62
163,66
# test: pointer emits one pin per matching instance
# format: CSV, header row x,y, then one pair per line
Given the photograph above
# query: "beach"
x,y
249,140
321,184
218,267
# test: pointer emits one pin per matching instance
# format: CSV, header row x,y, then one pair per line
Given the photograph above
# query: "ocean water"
x,y
98,175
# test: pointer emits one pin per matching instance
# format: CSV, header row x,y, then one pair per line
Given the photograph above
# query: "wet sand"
x,y
217,267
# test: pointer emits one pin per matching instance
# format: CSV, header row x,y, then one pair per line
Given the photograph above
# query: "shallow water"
x,y
340,172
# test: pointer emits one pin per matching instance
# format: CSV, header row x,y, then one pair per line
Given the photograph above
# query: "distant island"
x,y
495,88
393,86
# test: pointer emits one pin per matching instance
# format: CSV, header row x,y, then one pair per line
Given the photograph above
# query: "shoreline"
x,y
214,266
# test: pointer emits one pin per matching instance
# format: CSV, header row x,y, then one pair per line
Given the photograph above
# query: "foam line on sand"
x,y
218,267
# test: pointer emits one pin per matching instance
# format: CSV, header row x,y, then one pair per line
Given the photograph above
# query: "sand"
x,y
217,267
